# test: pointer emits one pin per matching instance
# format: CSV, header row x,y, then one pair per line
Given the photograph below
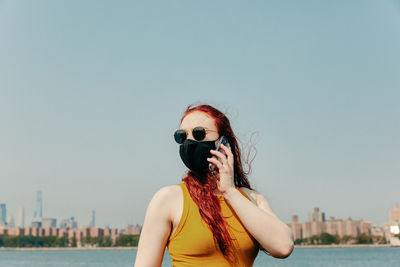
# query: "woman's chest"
x,y
194,237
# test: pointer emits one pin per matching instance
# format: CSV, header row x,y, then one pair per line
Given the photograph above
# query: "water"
x,y
363,257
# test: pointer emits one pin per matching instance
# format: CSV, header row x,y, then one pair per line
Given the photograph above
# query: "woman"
x,y
213,218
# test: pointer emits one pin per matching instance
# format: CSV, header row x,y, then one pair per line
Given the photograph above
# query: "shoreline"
x,y
135,248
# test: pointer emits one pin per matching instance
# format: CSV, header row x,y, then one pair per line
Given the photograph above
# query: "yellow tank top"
x,y
192,243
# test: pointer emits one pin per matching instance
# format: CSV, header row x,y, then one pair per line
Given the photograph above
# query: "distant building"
x,y
11,222
37,223
296,227
332,226
316,216
306,230
96,232
393,226
69,223
342,228
377,231
49,223
51,231
394,214
39,205
21,218
318,225
113,233
76,233
133,229
365,227
352,227
92,222
3,214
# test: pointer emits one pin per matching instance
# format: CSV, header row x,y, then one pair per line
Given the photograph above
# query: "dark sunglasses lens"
x,y
180,136
199,133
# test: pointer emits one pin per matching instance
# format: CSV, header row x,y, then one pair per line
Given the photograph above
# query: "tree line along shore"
x,y
29,241
347,240
131,242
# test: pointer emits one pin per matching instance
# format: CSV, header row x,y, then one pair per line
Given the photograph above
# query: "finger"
x,y
220,156
228,152
215,162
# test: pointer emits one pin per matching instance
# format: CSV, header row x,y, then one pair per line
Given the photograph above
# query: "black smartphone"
x,y
223,141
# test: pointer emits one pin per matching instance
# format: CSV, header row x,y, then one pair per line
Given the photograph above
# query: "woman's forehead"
x,y
198,118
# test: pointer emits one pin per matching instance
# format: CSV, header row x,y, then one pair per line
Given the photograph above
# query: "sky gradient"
x,y
92,91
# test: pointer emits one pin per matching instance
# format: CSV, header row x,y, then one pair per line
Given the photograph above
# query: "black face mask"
x,y
194,154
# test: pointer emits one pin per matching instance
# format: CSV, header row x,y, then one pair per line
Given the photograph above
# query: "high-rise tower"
x,y
394,214
92,218
317,216
39,205
3,214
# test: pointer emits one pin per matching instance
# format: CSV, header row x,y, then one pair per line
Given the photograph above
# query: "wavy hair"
x,y
201,187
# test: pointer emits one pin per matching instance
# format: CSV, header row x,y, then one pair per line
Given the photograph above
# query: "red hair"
x,y
201,188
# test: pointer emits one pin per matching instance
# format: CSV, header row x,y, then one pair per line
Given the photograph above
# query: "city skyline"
x,y
38,219
346,230
316,215
89,105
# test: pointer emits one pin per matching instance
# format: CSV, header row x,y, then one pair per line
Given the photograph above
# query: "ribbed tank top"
x,y
192,243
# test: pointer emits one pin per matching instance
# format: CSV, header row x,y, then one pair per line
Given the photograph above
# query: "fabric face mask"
x,y
194,154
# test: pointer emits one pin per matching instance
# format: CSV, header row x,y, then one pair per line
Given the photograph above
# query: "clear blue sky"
x,y
92,91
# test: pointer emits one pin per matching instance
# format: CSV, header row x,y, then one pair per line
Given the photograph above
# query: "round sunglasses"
x,y
198,133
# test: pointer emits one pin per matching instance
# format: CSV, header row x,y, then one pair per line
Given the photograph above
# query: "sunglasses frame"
x,y
198,133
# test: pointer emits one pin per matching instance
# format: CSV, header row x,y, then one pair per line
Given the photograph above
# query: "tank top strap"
x,y
185,211
243,193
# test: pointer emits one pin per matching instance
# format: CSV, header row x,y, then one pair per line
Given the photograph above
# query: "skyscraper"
x,y
3,214
39,205
92,218
21,218
393,226
316,216
394,214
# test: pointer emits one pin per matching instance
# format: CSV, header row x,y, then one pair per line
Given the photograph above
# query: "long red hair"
x,y
201,188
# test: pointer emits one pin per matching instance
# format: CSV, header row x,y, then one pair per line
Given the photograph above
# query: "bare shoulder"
x,y
167,194
157,227
168,190
169,201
